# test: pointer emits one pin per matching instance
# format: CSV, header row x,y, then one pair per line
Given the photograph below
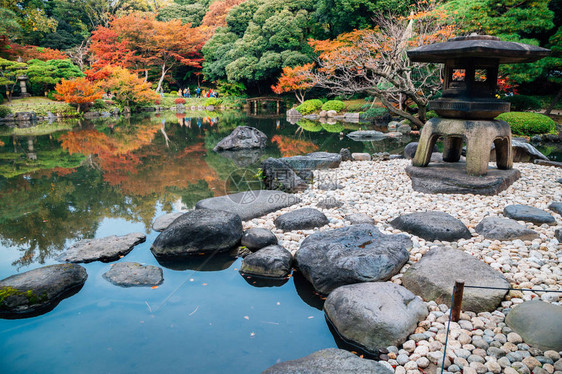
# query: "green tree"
x,y
189,13
9,73
46,74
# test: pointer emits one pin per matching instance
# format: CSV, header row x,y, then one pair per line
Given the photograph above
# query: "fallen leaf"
x,y
191,279
204,284
154,287
252,334
246,317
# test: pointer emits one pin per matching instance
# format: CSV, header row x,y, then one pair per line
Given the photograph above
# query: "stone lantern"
x,y
468,105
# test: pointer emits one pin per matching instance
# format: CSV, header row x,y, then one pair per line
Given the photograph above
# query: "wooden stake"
x,y
457,301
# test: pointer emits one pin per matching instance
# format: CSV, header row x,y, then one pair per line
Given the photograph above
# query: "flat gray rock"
x,y
39,290
432,225
353,254
250,204
106,249
451,177
528,214
538,323
366,135
258,238
243,137
273,261
314,161
301,219
329,203
504,229
329,361
201,231
374,315
556,207
434,276
358,218
133,274
161,223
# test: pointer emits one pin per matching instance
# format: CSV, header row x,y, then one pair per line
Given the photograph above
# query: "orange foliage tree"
x,y
128,89
30,52
79,91
375,61
218,10
293,147
298,80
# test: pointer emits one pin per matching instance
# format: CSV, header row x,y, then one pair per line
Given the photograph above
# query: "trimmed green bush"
x,y
213,101
4,111
309,106
375,112
524,123
99,104
336,105
522,102
175,93
309,125
336,127
355,107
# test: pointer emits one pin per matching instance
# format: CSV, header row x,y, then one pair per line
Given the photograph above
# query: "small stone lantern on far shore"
x,y
468,105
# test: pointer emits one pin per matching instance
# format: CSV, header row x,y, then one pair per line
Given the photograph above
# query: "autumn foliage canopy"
x,y
78,91
295,79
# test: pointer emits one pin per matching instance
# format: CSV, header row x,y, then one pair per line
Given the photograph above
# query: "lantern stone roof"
x,y
478,46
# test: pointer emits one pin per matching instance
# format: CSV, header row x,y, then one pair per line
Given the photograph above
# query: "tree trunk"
x,y
553,102
146,75
300,96
399,112
161,80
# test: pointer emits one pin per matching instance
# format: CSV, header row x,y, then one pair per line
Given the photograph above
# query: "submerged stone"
x,y
258,238
106,249
272,261
133,274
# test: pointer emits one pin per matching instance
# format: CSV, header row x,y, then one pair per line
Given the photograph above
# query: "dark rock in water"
x,y
411,148
273,261
260,282
106,249
301,219
366,135
528,214
353,254
39,290
504,229
358,218
434,275
162,222
432,225
279,175
133,274
447,177
200,231
538,323
245,157
313,161
329,203
374,315
345,154
306,291
214,262
250,204
329,361
556,207
243,137
258,238
522,152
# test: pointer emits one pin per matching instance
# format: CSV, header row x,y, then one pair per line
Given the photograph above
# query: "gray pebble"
x,y
480,343
500,338
535,351
553,355
514,356
460,362
418,337
504,362
462,353
479,352
476,358
544,360
495,344
479,367
402,359
496,352
522,347
392,349
521,368
558,365
453,369
539,370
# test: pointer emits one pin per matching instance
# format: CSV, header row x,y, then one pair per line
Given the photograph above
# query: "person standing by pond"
x,y
180,92
187,93
198,92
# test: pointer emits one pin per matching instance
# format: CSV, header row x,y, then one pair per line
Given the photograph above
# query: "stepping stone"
x,y
358,218
161,223
329,203
538,323
329,361
434,275
106,249
345,154
504,229
279,175
243,137
258,238
353,254
39,290
432,225
201,231
250,204
556,207
133,274
301,219
273,261
314,161
528,214
374,315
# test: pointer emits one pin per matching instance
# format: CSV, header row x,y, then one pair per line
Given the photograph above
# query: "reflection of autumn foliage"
x,y
293,147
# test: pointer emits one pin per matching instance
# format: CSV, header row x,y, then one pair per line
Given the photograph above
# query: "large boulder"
x,y
279,175
432,225
504,229
374,314
133,274
434,275
250,204
301,219
273,261
39,290
200,231
258,238
243,137
314,161
353,254
293,113
161,223
538,323
106,249
411,148
522,152
329,361
528,214
556,207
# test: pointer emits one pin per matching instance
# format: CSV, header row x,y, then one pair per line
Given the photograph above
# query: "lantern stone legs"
x,y
479,136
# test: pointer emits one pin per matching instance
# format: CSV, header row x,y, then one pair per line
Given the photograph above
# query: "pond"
x,y
60,184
